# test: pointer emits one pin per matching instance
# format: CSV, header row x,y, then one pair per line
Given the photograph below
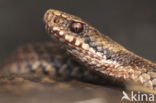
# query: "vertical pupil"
x,y
76,26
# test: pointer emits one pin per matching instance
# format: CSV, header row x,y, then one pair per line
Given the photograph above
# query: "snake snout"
x,y
50,21
48,17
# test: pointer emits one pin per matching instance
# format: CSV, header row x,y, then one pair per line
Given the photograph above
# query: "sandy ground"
x,y
50,91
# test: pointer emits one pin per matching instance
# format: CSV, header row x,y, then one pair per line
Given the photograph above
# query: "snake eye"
x,y
76,27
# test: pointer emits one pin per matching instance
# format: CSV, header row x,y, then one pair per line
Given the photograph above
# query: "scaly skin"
x,y
100,55
98,52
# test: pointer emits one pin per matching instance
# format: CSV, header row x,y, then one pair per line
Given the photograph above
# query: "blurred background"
x,y
132,23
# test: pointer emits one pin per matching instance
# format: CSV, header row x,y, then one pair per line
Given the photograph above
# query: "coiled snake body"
x,y
99,55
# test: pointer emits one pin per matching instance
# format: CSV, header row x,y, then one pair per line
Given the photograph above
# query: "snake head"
x,y
79,38
67,28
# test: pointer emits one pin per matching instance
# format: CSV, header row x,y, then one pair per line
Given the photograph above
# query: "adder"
x,y
92,56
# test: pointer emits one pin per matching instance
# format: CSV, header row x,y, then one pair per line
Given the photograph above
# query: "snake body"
x,y
98,54
44,59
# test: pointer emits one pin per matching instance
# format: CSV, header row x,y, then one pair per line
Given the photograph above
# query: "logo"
x,y
137,96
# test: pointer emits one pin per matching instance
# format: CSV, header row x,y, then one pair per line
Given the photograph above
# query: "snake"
x,y
79,51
